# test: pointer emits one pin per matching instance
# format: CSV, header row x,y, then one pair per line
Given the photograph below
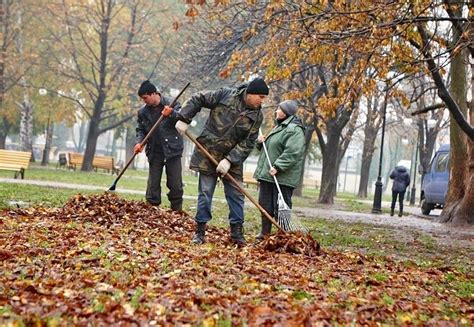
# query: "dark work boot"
x,y
400,213
266,229
237,234
199,234
392,211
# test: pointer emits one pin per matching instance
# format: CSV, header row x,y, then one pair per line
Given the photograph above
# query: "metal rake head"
x,y
285,219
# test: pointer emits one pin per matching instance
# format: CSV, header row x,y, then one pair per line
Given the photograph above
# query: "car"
x,y
434,185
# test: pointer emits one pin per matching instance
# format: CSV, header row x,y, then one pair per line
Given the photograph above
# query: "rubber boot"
x,y
400,213
237,234
266,229
392,211
199,234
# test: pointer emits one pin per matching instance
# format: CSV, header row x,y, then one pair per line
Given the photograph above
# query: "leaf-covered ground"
x,y
104,260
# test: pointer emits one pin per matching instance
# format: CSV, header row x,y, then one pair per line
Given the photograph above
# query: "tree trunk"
x,y
130,141
5,127
3,55
308,135
371,128
26,125
48,142
91,144
330,166
367,153
459,204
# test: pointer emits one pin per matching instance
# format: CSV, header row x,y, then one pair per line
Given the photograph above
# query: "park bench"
x,y
102,162
105,162
249,180
16,161
74,160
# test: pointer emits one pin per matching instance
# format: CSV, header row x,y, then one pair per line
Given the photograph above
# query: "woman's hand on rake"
x,y
273,171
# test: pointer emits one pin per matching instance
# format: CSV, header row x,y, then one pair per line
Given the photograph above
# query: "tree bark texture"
x,y
26,125
459,202
308,136
371,128
330,165
130,141
48,142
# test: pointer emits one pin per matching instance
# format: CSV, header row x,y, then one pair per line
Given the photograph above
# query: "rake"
x,y
235,182
147,136
284,211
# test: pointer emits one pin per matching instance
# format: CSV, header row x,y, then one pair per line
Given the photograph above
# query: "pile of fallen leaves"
x,y
103,260
294,242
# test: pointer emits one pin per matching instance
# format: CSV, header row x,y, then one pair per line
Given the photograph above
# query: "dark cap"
x,y
289,107
147,87
257,86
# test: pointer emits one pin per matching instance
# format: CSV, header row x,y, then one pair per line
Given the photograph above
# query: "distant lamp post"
x,y
377,205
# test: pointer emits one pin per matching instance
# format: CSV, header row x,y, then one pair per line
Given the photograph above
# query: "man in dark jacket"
x,y
163,149
229,135
401,180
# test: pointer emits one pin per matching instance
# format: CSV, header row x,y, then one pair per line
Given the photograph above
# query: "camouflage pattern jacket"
x,y
230,131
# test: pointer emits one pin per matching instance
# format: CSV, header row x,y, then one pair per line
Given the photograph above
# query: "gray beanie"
x,y
289,107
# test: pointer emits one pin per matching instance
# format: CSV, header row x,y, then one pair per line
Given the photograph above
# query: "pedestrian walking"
x,y
229,134
285,145
163,149
401,180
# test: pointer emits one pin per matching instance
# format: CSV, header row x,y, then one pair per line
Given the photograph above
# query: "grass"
x,y
420,248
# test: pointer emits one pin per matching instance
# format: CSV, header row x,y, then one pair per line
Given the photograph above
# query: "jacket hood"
x,y
401,169
293,120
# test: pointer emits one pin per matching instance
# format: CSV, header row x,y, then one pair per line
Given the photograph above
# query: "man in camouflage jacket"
x,y
229,135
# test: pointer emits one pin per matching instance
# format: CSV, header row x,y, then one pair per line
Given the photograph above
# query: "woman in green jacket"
x,y
285,144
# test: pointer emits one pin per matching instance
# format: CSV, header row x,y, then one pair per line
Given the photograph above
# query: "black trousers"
x,y
401,197
268,197
174,181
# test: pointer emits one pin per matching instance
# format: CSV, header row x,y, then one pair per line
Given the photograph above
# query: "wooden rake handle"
x,y
147,136
235,182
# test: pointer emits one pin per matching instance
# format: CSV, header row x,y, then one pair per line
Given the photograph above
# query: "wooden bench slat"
x,y
102,162
16,161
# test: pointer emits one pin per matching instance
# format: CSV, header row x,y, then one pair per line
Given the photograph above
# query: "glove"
x,y
167,110
137,148
181,127
223,167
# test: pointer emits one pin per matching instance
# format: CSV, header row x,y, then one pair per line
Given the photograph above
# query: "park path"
x,y
414,221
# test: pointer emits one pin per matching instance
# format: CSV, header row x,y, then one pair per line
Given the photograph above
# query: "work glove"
x,y
137,148
167,110
181,127
223,167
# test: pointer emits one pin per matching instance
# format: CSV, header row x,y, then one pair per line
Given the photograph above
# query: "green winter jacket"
x,y
285,145
231,129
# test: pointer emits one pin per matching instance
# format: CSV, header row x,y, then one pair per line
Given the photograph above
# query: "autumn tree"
x,y
15,61
390,38
99,47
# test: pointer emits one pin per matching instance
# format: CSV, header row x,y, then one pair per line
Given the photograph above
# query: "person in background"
x,y
163,149
285,145
229,134
401,180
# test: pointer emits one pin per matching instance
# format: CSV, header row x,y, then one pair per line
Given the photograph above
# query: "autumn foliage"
x,y
104,260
